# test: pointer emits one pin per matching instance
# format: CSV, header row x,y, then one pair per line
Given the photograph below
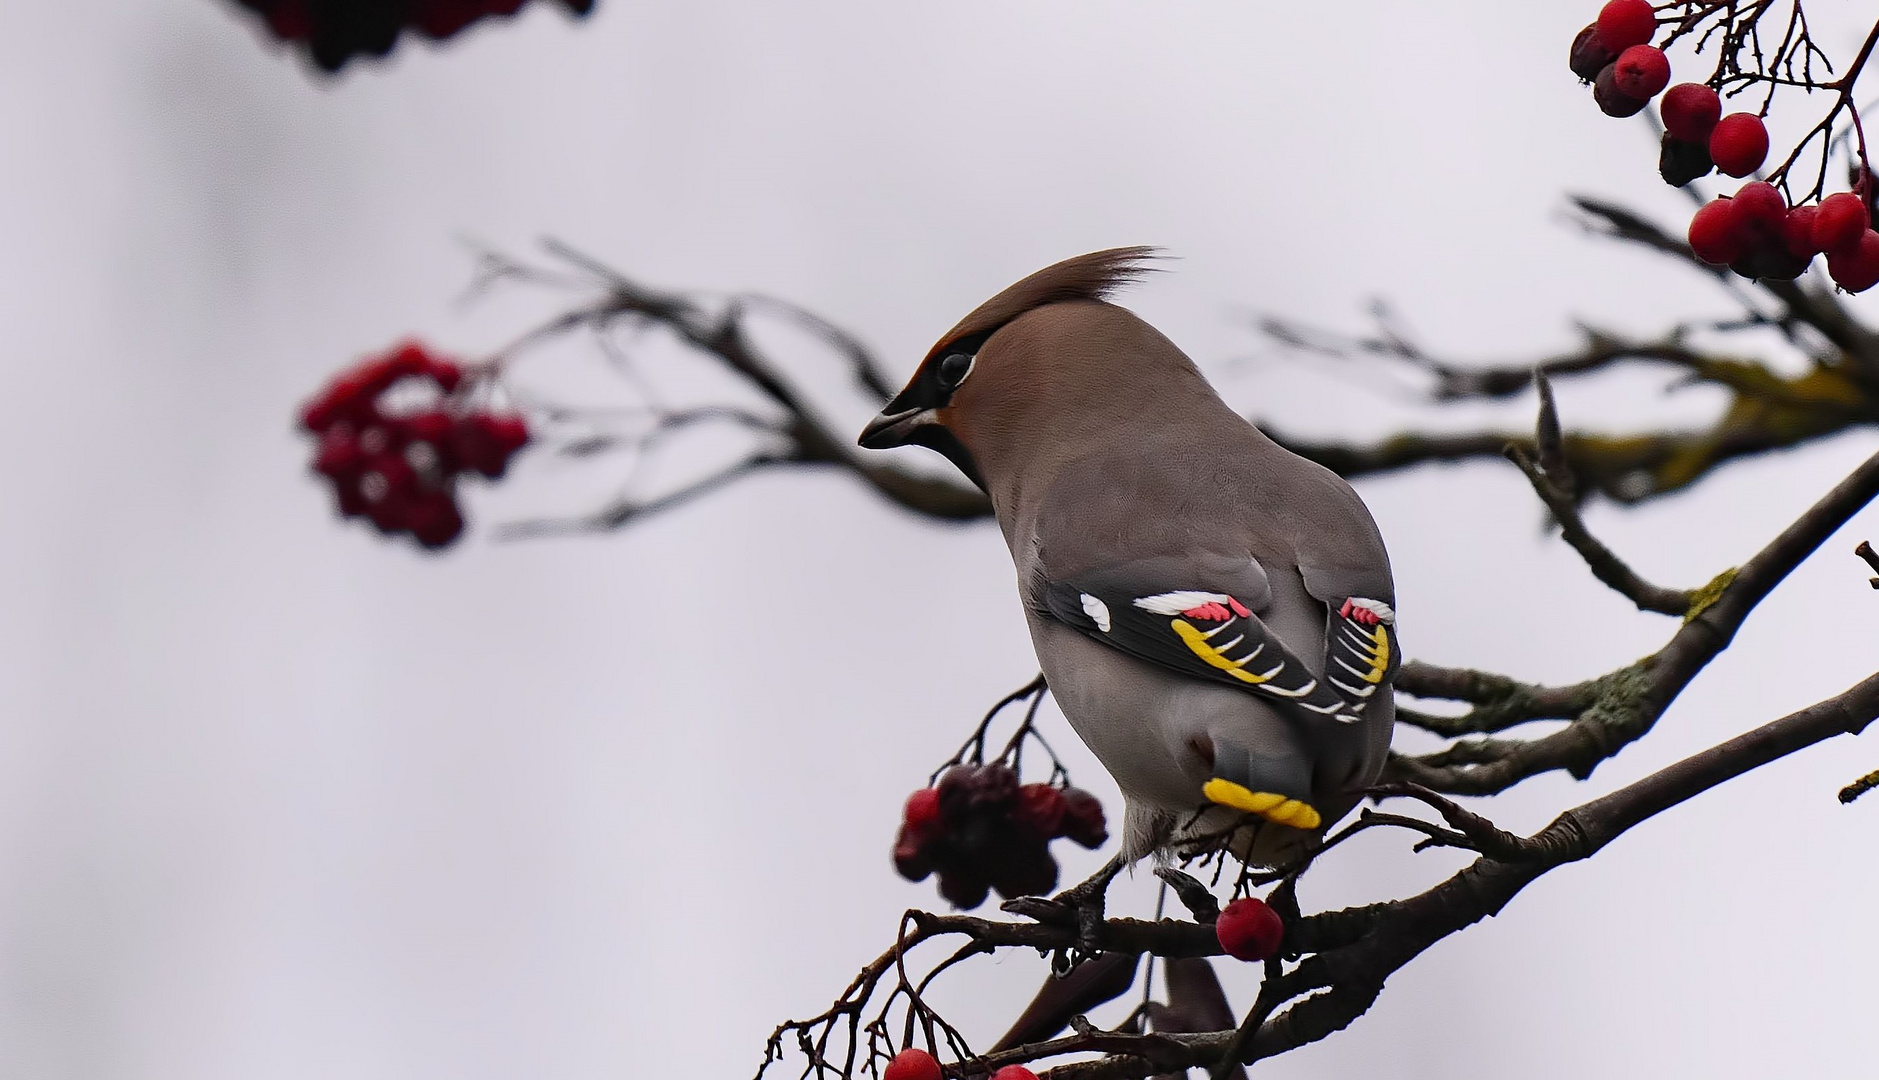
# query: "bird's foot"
x,y
1082,906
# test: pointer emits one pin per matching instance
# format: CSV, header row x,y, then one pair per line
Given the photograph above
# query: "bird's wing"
x,y
1197,616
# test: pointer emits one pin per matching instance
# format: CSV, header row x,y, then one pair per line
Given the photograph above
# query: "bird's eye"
x,y
953,369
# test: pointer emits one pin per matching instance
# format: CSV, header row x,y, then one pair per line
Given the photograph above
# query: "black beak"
x,y
891,429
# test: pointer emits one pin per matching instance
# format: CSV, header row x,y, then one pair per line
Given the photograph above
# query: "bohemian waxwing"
x,y
1212,611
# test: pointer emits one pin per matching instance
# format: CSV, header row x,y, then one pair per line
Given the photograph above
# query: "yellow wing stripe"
x,y
1379,656
1197,643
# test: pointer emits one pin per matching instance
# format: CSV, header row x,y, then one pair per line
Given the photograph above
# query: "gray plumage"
x,y
1169,555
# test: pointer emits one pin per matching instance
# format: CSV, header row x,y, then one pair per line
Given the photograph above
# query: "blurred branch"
x,y
1767,411
721,334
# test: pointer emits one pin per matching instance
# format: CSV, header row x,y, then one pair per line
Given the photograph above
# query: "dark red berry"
x,y
486,441
1588,56
962,887
1642,71
994,787
1021,865
1611,100
912,1064
1083,821
1249,929
955,792
1855,267
1624,23
1691,111
1679,162
1797,232
923,809
1040,808
1841,222
350,498
1739,144
1768,259
1716,235
290,21
434,519
1014,1072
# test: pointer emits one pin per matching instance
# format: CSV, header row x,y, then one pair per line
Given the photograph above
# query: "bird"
x,y
1213,613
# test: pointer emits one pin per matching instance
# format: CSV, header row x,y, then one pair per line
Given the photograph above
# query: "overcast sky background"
x,y
279,800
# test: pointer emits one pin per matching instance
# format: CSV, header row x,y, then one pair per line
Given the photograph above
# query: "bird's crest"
x,y
1085,277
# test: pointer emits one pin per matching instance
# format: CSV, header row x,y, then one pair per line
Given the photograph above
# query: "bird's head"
x,y
983,369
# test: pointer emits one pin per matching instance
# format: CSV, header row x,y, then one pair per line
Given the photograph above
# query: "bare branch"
x,y
1552,482
1626,703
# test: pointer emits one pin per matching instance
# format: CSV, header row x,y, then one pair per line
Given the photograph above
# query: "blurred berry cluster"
x,y
981,830
334,31
399,468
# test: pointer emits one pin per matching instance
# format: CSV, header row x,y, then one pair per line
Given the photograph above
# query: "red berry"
x,y
433,426
911,857
1841,222
1739,144
1014,1072
1691,111
1624,23
1797,232
1642,71
923,810
912,1064
1716,234
1040,808
1588,57
1083,820
1249,929
344,397
406,358
1855,268
444,373
339,453
1760,207
1611,100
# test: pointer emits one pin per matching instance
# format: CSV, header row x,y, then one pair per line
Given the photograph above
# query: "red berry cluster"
x,y
334,31
1758,235
1249,929
914,1063
399,470
1755,232
982,830
1626,71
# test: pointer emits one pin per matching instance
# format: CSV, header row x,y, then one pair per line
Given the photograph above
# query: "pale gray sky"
x,y
278,800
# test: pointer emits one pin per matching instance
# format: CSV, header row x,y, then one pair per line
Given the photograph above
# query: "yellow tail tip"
x,y
1275,808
